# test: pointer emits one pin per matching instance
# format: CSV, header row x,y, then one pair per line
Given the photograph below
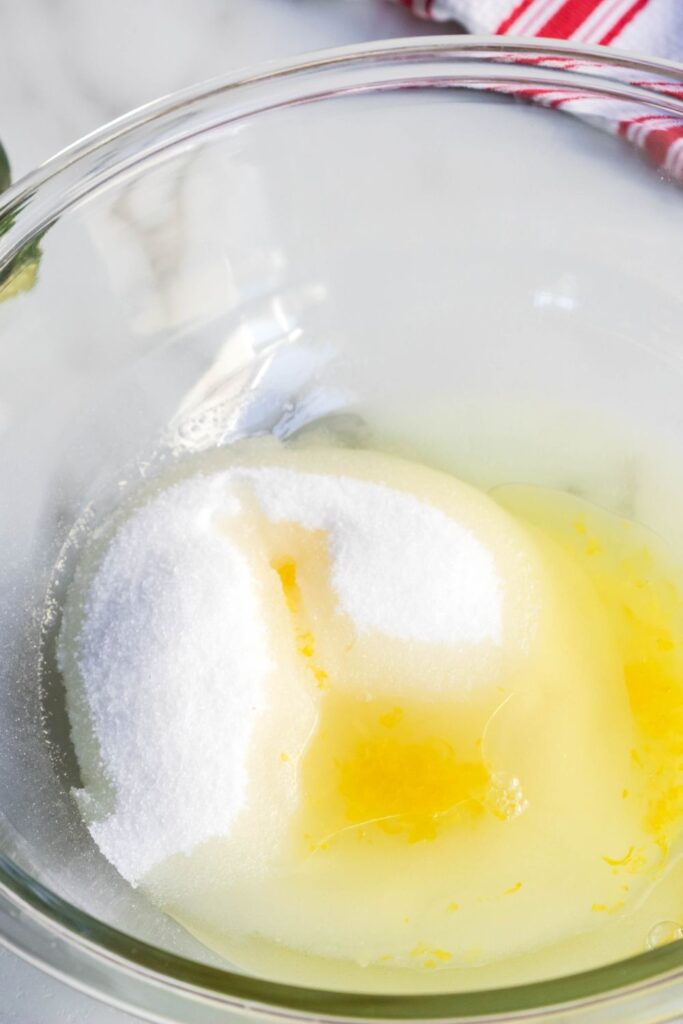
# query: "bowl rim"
x,y
606,71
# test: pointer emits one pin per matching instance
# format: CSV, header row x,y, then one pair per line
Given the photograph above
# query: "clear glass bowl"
x,y
376,238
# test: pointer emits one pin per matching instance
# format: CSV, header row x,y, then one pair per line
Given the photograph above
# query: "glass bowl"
x,y
378,239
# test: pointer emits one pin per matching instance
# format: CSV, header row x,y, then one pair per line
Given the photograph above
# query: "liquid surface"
x,y
443,782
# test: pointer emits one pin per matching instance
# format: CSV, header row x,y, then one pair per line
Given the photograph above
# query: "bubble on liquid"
x,y
663,933
506,797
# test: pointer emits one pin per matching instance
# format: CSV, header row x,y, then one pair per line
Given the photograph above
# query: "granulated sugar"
x,y
165,649
171,653
399,565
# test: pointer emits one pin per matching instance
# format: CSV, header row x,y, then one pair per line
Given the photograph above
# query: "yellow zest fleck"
x,y
306,644
593,547
617,861
441,955
579,526
452,907
284,756
513,888
286,570
305,641
321,678
602,908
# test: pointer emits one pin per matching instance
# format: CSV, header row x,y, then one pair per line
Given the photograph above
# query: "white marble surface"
x,y
67,67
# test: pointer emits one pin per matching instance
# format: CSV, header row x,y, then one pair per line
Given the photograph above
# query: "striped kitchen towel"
x,y
649,28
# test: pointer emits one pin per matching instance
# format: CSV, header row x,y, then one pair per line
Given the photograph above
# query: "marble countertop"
x,y
68,67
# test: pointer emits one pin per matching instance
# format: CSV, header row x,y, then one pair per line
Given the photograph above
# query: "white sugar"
x,y
164,646
172,655
399,565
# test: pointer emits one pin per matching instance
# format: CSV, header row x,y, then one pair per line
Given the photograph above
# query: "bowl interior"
x,y
489,286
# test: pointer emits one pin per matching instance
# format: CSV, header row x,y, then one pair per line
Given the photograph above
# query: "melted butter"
x,y
397,769
640,590
409,770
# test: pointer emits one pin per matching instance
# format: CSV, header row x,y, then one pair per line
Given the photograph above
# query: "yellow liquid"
x,y
640,590
548,806
403,768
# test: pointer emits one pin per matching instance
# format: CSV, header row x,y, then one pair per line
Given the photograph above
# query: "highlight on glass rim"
x,y
341,610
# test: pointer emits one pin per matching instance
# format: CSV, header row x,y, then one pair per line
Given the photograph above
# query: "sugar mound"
x,y
399,565
165,645
170,655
